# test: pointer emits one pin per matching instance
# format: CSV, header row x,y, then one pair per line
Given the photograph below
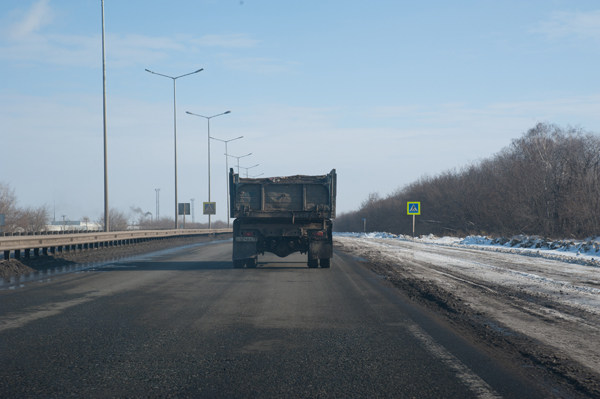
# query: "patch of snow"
x,y
583,252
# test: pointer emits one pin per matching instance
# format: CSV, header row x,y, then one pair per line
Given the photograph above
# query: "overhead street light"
x,y
238,160
175,125
249,167
227,170
106,213
208,118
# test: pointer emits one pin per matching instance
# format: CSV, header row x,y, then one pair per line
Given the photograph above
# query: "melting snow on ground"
x,y
567,270
582,252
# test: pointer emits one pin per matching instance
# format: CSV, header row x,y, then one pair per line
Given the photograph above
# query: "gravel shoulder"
x,y
13,267
551,340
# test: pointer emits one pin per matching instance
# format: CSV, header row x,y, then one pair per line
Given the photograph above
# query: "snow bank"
x,y
585,252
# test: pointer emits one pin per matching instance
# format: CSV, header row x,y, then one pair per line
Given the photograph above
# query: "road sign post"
x,y
184,209
413,208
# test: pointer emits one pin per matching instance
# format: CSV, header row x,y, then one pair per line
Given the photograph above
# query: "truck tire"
x,y
238,264
312,263
325,263
251,263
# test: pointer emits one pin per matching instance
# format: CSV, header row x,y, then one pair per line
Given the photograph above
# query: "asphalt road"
x,y
184,323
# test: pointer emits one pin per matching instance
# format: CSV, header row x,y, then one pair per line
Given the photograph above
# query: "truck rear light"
x,y
248,233
318,234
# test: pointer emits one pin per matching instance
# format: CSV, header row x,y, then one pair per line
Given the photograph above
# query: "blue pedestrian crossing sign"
x,y
209,208
413,208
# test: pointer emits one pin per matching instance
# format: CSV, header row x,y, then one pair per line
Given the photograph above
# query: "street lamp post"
x,y
238,160
175,125
227,171
208,118
249,167
106,213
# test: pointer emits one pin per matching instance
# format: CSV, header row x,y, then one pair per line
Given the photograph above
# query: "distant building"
x,y
59,225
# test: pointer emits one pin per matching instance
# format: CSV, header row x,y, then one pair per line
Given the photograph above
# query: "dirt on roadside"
x,y
553,370
13,267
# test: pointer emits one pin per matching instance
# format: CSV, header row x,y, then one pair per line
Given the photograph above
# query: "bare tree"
x,y
34,219
547,182
118,220
8,207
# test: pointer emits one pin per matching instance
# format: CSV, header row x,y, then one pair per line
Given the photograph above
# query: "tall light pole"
x,y
157,203
106,219
238,160
227,171
208,118
175,125
249,167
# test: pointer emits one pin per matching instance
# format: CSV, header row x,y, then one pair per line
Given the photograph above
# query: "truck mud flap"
x,y
320,250
244,250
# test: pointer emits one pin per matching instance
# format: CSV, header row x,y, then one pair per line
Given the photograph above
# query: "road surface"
x,y
184,323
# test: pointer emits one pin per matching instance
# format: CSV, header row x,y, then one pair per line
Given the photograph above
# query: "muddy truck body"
x,y
282,215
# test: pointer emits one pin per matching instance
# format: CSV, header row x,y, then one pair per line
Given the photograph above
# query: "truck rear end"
x,y
282,215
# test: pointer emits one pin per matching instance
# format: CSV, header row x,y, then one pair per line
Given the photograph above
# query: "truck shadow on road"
x,y
191,266
132,266
159,266
282,265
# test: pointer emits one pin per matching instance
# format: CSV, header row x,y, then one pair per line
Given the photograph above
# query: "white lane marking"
x,y
469,378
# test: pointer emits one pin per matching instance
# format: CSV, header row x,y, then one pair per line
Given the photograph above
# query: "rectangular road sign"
x,y
209,208
184,208
413,208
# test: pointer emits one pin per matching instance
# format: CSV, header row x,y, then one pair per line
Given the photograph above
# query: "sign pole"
x,y
413,208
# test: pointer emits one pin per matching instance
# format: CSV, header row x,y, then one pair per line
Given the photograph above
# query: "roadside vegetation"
x,y
545,183
20,218
30,219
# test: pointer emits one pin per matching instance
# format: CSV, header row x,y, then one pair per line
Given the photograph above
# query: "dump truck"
x,y
282,215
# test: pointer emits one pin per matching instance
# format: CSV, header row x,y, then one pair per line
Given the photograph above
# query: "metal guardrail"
x,y
53,243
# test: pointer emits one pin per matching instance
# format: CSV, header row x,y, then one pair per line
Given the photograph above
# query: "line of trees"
x,y
546,183
18,218
31,219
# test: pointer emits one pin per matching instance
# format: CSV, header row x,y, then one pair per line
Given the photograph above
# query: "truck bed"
x,y
289,197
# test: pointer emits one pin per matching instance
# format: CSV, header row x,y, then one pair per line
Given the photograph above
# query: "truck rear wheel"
x,y
312,263
325,263
251,263
238,264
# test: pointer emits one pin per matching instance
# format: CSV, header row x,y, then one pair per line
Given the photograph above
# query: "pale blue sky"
x,y
382,91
